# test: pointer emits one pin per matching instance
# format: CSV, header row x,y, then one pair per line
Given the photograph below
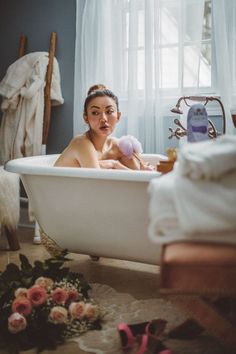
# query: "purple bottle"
x,y
197,123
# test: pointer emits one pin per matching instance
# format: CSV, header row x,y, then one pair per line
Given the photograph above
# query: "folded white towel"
x,y
197,200
205,206
184,209
209,159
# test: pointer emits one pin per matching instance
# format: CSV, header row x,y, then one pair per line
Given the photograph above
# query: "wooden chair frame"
x,y
10,233
197,283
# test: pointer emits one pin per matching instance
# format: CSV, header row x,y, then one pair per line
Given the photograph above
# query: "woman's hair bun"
x,y
99,90
97,87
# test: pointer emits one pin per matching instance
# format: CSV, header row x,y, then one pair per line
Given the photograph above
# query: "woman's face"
x,y
102,115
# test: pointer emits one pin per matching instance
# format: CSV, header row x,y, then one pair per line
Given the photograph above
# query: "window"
x,y
233,56
176,41
151,52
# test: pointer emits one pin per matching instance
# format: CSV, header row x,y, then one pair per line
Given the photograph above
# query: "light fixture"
x,y
181,131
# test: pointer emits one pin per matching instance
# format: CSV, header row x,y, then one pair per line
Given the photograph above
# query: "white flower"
x,y
76,309
44,282
58,314
16,323
21,292
91,312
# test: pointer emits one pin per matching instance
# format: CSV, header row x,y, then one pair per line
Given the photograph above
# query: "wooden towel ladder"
x,y
48,79
12,238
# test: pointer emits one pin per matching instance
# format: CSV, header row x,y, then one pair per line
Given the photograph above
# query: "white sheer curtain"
x,y
148,52
224,30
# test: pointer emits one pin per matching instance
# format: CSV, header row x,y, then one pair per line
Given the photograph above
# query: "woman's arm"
x,y
112,164
133,163
136,163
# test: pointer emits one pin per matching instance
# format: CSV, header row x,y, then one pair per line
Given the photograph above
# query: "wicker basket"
x,y
50,245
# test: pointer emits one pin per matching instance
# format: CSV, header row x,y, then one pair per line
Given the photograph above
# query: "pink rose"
x,y
21,305
21,292
76,309
72,296
91,312
59,296
44,282
58,314
37,295
16,323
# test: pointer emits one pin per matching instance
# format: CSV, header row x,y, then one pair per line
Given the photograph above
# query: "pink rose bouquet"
x,y
42,305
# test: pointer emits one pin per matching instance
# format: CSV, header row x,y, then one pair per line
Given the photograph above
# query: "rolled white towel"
x,y
208,160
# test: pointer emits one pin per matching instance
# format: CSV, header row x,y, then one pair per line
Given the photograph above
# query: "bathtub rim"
x,y
24,166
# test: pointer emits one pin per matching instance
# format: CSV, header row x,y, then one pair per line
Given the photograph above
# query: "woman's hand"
x,y
112,165
131,149
117,165
129,145
146,166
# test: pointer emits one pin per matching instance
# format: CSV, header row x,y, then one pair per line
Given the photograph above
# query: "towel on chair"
x,y
182,207
209,159
206,206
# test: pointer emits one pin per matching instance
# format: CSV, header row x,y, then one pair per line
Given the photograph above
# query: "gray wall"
x,y
36,20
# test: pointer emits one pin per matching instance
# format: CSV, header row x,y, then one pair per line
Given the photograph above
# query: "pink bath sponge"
x,y
129,145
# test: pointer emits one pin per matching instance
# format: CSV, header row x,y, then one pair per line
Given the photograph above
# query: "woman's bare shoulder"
x,y
71,155
80,140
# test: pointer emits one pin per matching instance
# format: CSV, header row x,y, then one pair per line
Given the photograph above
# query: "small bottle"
x,y
197,123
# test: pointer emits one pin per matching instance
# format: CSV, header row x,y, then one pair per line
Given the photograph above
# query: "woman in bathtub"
x,y
95,148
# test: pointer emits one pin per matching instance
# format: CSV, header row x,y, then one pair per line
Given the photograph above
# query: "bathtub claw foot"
x,y
95,258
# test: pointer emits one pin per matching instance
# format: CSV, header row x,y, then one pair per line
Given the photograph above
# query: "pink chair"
x,y
201,279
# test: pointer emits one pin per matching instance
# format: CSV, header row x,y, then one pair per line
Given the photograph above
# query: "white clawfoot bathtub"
x,y
91,211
